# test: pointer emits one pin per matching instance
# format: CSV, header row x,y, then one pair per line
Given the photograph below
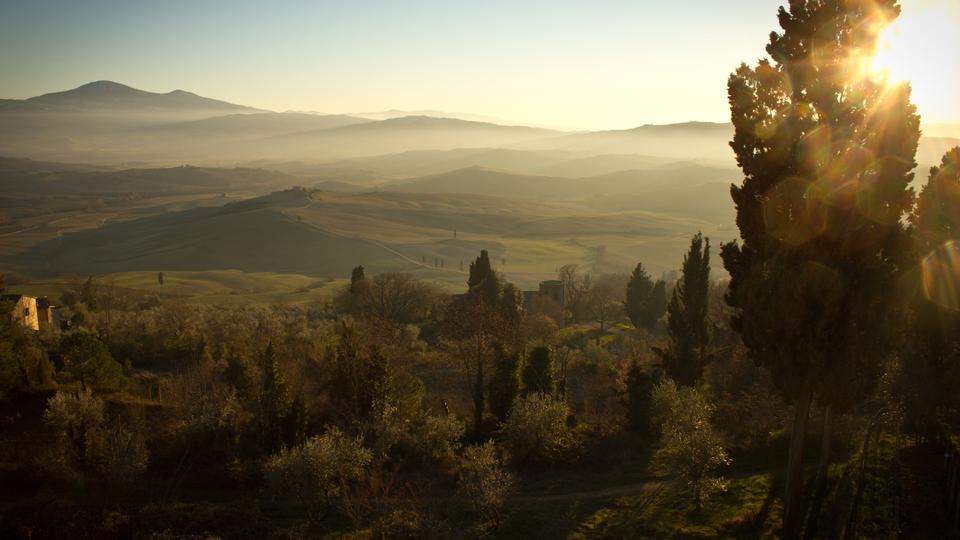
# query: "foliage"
x,y
275,401
826,151
538,372
317,471
690,446
23,363
483,482
483,285
576,291
537,429
88,361
121,453
76,420
645,301
748,406
438,437
504,385
686,355
637,399
931,366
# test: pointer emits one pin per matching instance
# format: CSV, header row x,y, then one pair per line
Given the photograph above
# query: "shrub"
x,y
537,429
690,446
438,437
316,471
483,481
76,420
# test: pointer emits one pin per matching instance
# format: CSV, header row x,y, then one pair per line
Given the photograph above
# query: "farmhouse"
x,y
24,310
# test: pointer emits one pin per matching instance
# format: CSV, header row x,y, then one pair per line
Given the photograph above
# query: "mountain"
x,y
263,124
400,135
426,162
108,96
397,113
692,140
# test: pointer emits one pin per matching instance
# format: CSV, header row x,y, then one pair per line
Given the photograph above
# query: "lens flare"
x,y
941,275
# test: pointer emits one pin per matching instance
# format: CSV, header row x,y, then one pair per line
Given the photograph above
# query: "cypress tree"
x,y
826,150
932,355
686,354
646,301
638,292
482,283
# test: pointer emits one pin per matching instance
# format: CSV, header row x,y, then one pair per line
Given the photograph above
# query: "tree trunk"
x,y
825,439
794,486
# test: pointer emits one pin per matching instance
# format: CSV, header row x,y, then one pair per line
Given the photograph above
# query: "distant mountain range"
x,y
106,122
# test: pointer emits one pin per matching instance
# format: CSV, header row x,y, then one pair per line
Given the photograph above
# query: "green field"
x,y
220,287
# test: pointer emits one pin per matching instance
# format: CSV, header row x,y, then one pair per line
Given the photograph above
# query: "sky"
x,y
591,64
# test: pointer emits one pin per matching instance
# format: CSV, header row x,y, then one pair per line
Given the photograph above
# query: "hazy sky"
x,y
578,63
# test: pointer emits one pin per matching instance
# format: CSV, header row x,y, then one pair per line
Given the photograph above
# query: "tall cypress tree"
x,y
686,354
931,358
826,150
483,284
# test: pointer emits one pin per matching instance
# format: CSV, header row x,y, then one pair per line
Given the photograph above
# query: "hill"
x,y
325,234
399,135
108,96
254,236
30,177
482,181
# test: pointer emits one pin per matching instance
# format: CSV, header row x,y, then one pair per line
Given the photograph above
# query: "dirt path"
x,y
655,484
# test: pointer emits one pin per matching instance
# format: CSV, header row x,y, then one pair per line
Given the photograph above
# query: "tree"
x,y
356,276
638,303
576,289
538,372
396,297
605,300
23,363
483,285
75,419
931,358
275,401
483,482
537,429
637,399
690,446
317,471
504,385
472,322
87,360
826,150
686,354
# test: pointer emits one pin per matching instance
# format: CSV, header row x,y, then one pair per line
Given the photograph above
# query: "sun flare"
x,y
920,48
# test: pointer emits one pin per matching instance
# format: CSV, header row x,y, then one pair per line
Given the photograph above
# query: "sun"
x,y
920,47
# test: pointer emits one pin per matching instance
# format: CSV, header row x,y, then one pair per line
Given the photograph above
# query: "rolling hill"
x,y
400,135
325,234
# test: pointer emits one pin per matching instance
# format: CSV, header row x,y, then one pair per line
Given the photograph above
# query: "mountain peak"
x,y
103,95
